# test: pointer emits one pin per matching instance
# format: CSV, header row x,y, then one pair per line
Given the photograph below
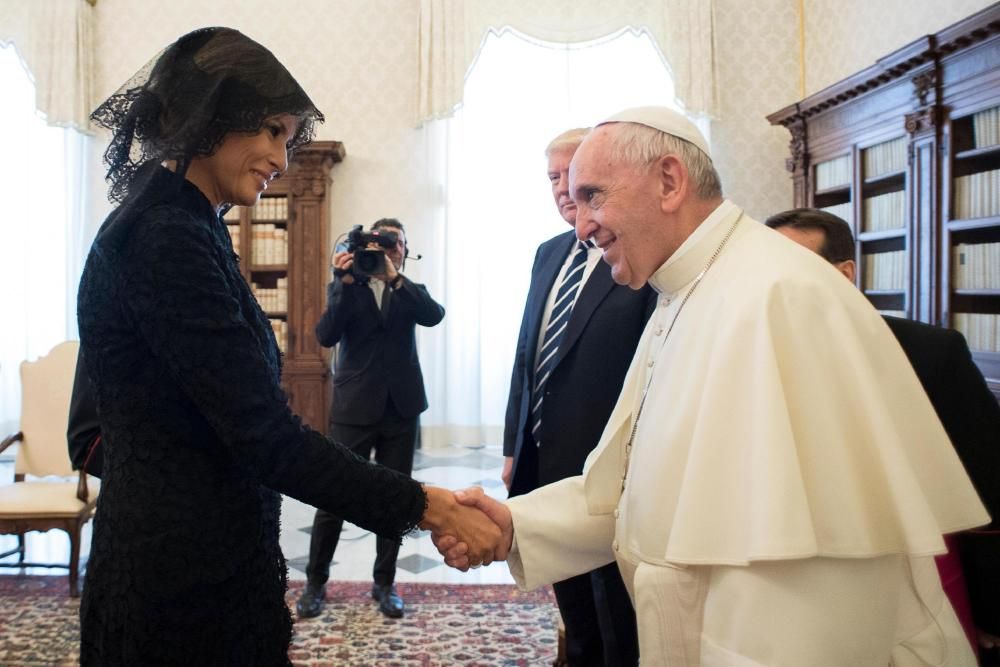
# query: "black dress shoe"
x,y
389,602
310,603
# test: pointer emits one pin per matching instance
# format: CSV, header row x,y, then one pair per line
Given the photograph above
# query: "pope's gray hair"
x,y
641,146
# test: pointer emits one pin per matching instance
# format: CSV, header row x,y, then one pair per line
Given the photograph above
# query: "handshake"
x,y
468,527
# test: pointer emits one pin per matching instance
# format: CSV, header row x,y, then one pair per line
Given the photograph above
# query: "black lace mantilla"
x,y
182,103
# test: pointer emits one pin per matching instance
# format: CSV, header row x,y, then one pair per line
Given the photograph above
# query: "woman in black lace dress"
x,y
185,566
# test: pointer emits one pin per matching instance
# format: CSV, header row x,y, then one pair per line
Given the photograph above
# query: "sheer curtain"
x,y
43,236
496,205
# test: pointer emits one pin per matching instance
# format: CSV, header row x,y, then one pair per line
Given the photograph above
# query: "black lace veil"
x,y
182,103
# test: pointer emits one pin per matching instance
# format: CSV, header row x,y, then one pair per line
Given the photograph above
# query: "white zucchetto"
x,y
665,120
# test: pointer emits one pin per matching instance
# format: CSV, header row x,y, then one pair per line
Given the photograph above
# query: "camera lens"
x,y
369,262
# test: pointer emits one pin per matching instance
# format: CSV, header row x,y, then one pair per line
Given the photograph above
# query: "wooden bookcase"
x,y
904,151
282,244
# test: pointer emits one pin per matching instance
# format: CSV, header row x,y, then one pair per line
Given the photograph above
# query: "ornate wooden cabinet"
x,y
282,244
908,151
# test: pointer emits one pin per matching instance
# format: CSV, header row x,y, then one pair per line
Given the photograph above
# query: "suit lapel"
x,y
598,284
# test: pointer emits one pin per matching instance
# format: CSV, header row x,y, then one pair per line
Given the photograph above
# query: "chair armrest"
x,y
10,440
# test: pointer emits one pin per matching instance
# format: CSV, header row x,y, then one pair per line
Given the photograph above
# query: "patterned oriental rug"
x,y
444,625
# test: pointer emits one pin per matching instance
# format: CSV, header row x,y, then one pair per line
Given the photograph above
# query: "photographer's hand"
x,y
342,261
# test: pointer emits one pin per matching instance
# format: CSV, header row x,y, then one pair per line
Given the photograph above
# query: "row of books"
x,y
280,329
986,128
977,195
981,330
842,211
976,266
885,270
833,173
269,244
272,299
267,208
885,158
270,208
885,212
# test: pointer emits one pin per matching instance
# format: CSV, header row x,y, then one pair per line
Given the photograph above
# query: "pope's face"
x,y
618,207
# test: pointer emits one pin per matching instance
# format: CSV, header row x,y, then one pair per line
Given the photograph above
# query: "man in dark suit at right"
x,y
967,409
578,334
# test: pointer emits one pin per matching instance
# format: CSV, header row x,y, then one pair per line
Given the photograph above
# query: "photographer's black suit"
x,y
593,357
378,394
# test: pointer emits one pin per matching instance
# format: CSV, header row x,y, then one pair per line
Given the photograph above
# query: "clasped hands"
x,y
468,527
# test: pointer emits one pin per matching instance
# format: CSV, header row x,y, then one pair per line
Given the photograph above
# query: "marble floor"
x,y
451,467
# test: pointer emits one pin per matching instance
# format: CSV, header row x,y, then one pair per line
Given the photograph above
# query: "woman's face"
x,y
243,165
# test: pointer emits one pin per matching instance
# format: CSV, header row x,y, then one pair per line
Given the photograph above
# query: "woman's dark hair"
x,y
182,104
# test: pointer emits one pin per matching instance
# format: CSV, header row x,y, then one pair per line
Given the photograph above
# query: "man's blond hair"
x,y
568,139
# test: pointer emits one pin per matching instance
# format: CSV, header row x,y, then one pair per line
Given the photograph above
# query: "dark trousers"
x,y
599,619
393,441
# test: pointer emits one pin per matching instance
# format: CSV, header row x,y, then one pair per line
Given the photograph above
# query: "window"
x,y
40,248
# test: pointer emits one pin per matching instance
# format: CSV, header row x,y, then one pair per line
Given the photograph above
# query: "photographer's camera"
x,y
368,261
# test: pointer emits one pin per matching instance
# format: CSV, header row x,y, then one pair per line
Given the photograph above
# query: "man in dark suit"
x,y
964,404
378,393
578,334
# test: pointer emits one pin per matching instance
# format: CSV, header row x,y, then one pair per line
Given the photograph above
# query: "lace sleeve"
x,y
187,312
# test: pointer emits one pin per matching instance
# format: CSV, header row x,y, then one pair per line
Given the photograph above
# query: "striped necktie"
x,y
562,308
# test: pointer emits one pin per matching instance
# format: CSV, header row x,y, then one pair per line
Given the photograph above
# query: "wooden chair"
x,y
41,504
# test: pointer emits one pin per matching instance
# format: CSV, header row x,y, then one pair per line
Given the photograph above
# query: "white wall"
x,y
757,45
844,36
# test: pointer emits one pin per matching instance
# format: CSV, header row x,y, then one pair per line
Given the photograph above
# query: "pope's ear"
x,y
673,181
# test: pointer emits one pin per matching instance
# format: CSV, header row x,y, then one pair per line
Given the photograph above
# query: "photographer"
x,y
378,389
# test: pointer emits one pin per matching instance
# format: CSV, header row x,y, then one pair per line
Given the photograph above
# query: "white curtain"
x,y
493,206
55,40
43,235
453,31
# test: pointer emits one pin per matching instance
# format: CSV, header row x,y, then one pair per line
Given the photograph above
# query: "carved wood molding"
x,y
931,48
923,120
923,85
797,163
310,172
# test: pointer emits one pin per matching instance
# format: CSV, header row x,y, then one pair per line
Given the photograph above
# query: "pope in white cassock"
x,y
773,482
